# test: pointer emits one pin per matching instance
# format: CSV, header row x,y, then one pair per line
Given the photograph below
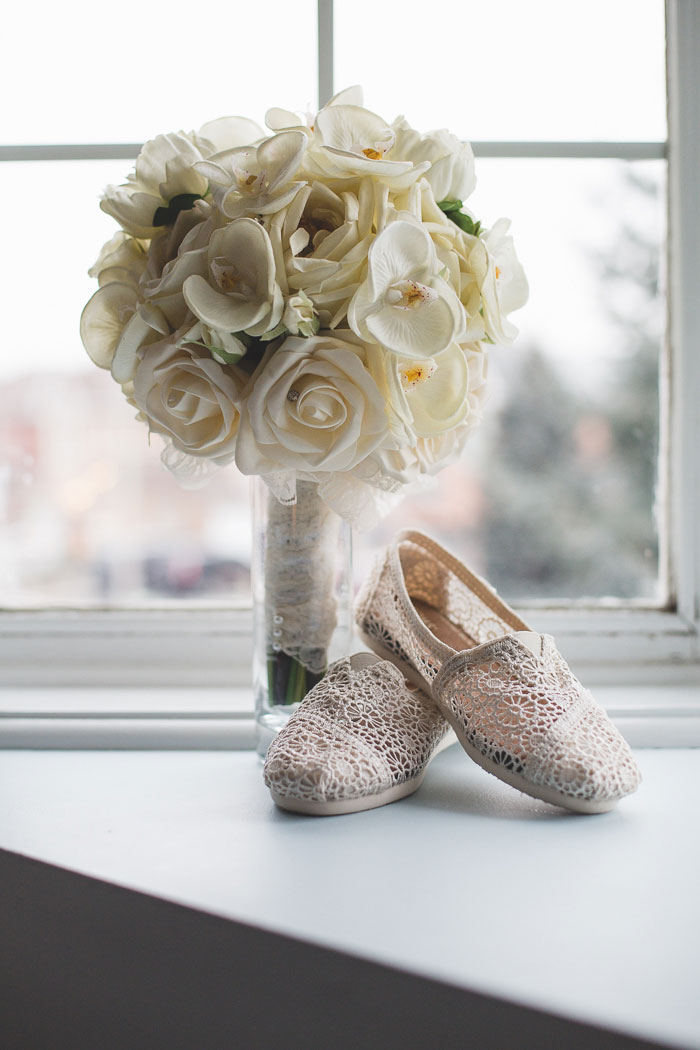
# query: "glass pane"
x,y
84,72
510,70
87,513
555,495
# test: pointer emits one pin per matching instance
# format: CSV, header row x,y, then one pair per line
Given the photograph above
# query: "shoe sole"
x,y
544,794
337,807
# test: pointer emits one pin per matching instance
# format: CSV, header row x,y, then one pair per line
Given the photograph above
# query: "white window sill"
x,y
656,714
468,881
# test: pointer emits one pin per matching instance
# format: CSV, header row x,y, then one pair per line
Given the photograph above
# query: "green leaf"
x,y
181,202
453,210
223,356
449,205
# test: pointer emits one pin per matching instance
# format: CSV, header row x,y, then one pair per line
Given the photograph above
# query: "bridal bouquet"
x,y
312,303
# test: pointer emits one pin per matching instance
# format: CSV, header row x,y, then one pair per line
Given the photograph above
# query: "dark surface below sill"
x,y
86,965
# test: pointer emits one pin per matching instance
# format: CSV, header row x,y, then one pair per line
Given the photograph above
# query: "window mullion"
x,y
326,43
499,149
683,37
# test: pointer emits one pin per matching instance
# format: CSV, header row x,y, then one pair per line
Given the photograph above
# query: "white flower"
x,y
224,347
136,335
240,292
122,259
425,397
164,305
104,318
299,317
404,304
278,119
313,406
451,173
391,469
129,311
226,133
256,180
323,239
350,141
165,180
191,229
164,170
190,399
155,308
501,279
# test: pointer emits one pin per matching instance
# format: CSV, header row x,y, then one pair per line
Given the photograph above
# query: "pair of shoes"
x,y
363,737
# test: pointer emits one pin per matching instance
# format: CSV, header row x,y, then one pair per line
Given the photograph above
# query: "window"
x,y
594,522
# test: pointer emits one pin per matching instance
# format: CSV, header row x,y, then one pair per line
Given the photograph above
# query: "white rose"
x,y
191,400
322,239
451,173
312,407
164,171
165,181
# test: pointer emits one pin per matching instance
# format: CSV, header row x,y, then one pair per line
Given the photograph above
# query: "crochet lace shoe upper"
x,y
512,700
362,738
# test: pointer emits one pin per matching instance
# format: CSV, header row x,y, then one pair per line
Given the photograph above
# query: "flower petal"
x,y
225,312
103,320
227,133
280,156
136,334
415,333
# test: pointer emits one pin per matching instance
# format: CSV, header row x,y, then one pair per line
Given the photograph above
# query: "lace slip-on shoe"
x,y
509,695
361,738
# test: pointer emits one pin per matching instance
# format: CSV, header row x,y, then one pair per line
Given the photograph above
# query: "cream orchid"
x,y
351,142
256,180
425,397
240,292
122,259
278,119
404,304
104,318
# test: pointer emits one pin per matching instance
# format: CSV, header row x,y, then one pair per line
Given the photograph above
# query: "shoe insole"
x,y
443,628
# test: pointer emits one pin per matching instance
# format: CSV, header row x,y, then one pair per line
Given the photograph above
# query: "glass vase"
x,y
301,573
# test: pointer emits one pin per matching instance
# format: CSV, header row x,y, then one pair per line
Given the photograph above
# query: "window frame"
x,y
621,646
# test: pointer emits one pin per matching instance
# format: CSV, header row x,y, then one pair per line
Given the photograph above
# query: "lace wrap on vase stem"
x,y
299,565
